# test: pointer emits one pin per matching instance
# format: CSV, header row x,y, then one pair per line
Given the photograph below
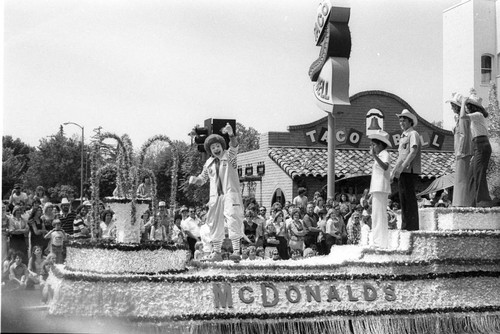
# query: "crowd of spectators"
x,y
35,231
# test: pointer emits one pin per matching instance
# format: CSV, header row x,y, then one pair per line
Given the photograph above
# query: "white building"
x,y
470,50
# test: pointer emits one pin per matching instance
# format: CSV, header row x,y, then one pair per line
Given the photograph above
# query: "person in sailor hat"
x,y
380,187
225,204
406,169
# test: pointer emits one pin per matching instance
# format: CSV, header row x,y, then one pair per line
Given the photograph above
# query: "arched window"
x,y
486,61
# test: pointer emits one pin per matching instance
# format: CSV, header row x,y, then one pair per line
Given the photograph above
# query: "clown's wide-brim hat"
x,y
212,139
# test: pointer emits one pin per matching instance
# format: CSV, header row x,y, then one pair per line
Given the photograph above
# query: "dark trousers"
x,y
479,165
408,201
283,248
191,243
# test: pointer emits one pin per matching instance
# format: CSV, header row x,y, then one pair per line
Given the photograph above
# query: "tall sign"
x,y
330,72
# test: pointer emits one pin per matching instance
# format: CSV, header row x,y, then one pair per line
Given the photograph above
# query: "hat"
x,y
162,203
212,139
382,136
456,99
406,113
87,203
476,100
17,185
183,208
64,201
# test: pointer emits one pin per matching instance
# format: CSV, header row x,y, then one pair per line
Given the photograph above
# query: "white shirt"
x,y
380,177
478,125
192,225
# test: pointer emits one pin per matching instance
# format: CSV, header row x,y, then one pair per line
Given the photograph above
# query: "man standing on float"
x,y
225,202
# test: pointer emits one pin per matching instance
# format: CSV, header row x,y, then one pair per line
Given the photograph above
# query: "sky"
x,y
149,67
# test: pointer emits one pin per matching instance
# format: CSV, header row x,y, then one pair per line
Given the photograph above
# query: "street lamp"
x,y
81,169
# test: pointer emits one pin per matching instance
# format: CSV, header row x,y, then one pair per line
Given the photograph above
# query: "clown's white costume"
x,y
225,202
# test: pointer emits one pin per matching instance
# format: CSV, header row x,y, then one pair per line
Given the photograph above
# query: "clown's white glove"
x,y
228,129
195,180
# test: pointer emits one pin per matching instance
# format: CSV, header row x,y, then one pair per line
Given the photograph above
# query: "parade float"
x,y
443,278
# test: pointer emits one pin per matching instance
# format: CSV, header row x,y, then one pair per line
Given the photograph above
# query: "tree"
x,y
15,162
56,162
248,138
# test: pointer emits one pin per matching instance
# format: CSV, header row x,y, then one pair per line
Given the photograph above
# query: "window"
x,y
486,69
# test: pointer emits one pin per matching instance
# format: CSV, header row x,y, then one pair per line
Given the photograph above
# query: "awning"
x,y
304,162
443,182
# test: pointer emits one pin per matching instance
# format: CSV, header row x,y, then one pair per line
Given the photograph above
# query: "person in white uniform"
x,y
380,187
225,202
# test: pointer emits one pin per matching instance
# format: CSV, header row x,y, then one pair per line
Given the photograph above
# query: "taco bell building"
x,y
297,158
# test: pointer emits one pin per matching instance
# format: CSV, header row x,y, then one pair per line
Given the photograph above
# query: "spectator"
x,y
47,266
279,226
145,189
48,215
147,222
300,201
365,229
7,262
5,231
310,220
353,199
37,229
158,231
67,216
178,236
407,168
310,251
57,237
332,233
191,227
354,229
81,224
107,225
40,195
198,253
319,204
17,197
297,232
18,230
18,272
321,236
285,210
263,213
35,266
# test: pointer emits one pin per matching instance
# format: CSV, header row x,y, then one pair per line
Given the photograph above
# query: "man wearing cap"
x,y
225,202
406,170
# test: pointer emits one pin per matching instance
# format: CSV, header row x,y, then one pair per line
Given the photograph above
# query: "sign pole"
x,y
331,157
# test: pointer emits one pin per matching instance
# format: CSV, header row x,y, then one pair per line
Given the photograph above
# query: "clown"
x,y
225,204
